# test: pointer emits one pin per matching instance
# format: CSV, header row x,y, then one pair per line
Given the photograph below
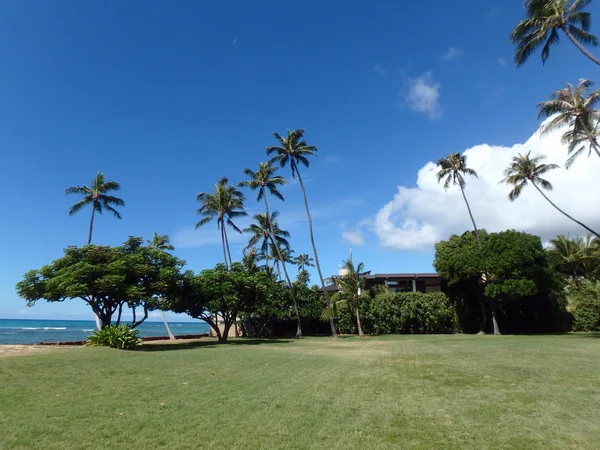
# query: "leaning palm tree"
x,y
96,196
573,107
294,150
264,231
303,261
263,180
352,283
525,169
545,18
161,242
225,204
452,168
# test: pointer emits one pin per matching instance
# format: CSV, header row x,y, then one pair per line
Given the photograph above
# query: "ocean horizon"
x,y
32,331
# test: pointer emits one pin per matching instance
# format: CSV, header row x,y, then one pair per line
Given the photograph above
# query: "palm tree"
x,y
303,261
264,179
579,256
525,169
453,167
97,196
161,243
225,204
303,277
294,150
572,107
544,20
352,283
261,232
579,142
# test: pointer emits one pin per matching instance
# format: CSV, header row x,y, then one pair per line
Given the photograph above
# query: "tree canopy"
x,y
106,278
219,294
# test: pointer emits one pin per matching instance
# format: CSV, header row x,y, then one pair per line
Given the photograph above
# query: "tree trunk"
x,y
164,318
91,223
483,321
317,264
360,331
581,48
561,211
227,244
287,278
223,242
225,334
494,321
471,216
278,270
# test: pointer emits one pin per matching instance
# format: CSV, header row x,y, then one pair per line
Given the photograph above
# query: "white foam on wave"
x,y
43,328
88,331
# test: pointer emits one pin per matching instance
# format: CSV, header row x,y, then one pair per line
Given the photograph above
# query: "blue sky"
x,y
158,97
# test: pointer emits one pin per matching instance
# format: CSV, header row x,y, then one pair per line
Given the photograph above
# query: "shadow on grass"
x,y
174,345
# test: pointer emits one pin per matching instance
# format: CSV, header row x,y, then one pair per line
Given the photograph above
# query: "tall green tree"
x,y
220,293
294,150
545,19
526,169
303,261
453,168
263,180
352,283
573,107
225,204
97,196
161,242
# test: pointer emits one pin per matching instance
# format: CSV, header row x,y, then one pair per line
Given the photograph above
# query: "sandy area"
x,y
17,350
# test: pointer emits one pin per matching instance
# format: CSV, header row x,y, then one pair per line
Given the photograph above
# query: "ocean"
x,y
14,331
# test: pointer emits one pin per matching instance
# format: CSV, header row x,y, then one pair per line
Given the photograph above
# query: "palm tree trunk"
x,y
312,241
287,278
581,48
223,242
91,223
471,216
360,331
564,213
278,270
227,244
164,318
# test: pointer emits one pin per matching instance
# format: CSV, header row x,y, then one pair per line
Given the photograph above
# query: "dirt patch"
x,y
20,350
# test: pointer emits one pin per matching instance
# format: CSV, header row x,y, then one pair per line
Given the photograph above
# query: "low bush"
x,y
410,313
115,336
584,305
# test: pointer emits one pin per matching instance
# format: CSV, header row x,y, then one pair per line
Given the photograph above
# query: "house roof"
x,y
402,275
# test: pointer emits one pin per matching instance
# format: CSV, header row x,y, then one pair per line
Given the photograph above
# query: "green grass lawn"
x,y
429,392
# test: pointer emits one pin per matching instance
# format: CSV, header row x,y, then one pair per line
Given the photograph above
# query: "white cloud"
x,y
352,237
419,216
502,61
452,54
423,95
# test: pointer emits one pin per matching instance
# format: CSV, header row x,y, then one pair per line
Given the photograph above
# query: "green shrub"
x,y
426,313
121,337
584,305
410,313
